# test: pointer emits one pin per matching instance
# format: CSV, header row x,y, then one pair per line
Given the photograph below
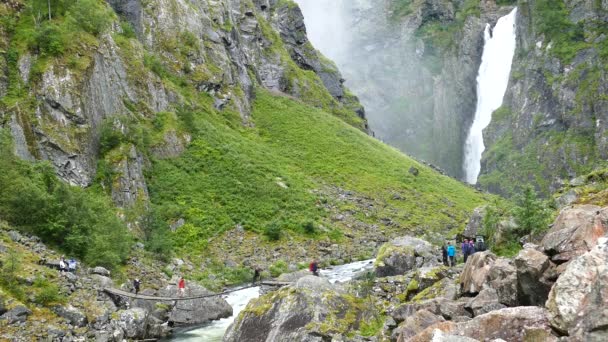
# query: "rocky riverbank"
x,y
551,291
44,303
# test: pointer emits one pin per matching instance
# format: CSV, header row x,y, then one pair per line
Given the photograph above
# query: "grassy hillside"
x,y
302,174
280,173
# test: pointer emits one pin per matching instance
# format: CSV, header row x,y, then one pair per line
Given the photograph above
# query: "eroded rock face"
x,y
509,324
476,272
535,276
236,46
503,279
575,232
577,302
311,310
196,311
474,225
415,323
404,254
536,119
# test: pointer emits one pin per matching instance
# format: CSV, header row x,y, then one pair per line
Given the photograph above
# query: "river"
x,y
214,331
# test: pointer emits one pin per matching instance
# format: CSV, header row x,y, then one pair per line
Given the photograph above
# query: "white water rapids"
x,y
492,81
214,331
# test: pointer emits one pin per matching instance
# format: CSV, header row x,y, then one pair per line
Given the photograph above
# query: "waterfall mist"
x,y
415,99
492,82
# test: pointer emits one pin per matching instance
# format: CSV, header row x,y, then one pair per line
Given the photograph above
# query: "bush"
x,y
80,222
47,292
310,228
157,237
273,231
531,214
91,15
278,268
50,40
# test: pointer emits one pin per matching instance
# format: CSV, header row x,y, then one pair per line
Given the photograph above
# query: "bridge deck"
x,y
170,299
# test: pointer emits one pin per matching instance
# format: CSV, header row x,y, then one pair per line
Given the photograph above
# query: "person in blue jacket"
x,y
451,254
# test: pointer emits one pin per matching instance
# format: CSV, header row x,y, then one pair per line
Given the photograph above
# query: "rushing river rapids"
x,y
214,331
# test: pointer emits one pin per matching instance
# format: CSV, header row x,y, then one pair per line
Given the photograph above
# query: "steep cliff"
x,y
552,126
207,123
414,64
62,78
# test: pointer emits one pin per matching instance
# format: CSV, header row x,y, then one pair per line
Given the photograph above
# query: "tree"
x,y
531,214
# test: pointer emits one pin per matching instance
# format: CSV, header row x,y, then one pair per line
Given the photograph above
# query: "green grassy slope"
x,y
265,175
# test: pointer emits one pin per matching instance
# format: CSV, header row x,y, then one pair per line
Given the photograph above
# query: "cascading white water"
x,y
492,81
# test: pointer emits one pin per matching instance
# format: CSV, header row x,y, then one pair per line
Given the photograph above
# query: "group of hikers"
x,y
467,247
67,266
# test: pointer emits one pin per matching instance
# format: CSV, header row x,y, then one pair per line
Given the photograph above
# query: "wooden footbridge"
x,y
132,295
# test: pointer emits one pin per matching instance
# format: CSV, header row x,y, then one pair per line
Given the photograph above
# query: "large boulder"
x,y
535,276
487,300
196,311
476,272
71,314
132,322
503,278
414,324
577,302
575,232
475,222
17,314
404,254
310,310
524,323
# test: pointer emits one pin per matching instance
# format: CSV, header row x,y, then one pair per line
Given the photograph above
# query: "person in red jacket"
x,y
181,285
314,267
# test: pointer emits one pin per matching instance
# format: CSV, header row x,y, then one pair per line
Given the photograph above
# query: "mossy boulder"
x,y
404,254
305,311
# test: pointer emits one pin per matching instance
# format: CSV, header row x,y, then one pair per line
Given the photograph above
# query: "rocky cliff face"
x,y
552,126
56,105
414,64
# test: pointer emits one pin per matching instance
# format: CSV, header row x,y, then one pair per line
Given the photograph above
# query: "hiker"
x,y
480,246
471,247
256,274
72,266
181,286
451,254
136,284
464,247
314,267
63,267
444,254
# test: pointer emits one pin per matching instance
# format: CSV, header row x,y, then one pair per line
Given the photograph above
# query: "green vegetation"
x,y
46,292
533,161
80,222
530,215
551,18
278,268
231,176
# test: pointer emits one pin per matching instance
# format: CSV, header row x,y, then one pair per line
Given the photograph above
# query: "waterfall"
x,y
492,81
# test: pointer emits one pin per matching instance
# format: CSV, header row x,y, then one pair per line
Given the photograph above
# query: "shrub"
x,y
531,214
278,268
91,15
309,227
47,292
80,222
50,40
273,231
